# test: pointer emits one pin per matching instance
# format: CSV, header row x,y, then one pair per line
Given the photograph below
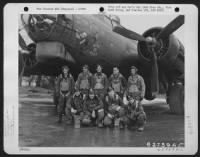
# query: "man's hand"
x,y
73,110
125,101
141,98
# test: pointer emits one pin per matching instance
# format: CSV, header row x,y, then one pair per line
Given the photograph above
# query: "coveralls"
x,y
135,115
93,111
84,83
135,86
64,88
118,83
100,84
114,108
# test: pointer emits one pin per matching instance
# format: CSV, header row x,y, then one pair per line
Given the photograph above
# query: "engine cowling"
x,y
168,52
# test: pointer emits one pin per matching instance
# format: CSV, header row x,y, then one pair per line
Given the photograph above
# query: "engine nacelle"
x,y
169,51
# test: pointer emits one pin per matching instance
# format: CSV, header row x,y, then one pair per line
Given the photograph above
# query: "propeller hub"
x,y
153,45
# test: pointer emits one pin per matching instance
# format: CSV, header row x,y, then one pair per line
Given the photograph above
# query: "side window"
x,y
65,20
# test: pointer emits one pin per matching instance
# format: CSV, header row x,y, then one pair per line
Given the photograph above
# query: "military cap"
x,y
91,91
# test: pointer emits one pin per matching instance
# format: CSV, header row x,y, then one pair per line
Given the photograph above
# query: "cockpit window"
x,y
41,22
112,19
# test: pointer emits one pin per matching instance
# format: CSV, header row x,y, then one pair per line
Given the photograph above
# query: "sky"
x,y
139,24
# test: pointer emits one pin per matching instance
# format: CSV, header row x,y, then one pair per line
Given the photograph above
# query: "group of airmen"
x,y
100,101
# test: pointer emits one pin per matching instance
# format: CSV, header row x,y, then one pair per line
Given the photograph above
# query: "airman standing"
x,y
64,88
84,81
100,83
117,82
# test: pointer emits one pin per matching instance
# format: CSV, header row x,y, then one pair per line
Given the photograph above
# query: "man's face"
x,y
65,71
77,93
133,71
131,100
111,93
85,70
99,69
115,71
91,96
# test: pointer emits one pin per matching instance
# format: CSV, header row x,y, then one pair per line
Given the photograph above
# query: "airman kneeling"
x,y
93,110
114,110
77,108
135,115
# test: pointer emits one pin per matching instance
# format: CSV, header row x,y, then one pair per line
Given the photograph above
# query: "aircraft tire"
x,y
176,99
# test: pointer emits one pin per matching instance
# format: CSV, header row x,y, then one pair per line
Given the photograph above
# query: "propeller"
x,y
171,27
127,33
153,44
26,56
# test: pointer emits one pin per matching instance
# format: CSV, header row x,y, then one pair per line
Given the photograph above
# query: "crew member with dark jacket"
x,y
135,115
114,108
76,103
93,110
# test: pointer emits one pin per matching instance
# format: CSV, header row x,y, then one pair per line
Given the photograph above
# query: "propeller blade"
x,y
154,75
171,27
127,33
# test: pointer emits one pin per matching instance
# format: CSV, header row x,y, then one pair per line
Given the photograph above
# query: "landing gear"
x,y
175,98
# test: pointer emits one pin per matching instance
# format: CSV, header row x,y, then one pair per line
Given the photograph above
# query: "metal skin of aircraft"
x,y
93,39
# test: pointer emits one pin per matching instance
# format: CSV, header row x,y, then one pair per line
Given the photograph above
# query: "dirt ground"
x,y
38,126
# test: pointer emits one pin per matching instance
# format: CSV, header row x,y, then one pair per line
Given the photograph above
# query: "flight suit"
x,y
84,82
118,83
100,84
65,88
77,107
135,115
114,108
135,86
93,112
136,90
76,103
